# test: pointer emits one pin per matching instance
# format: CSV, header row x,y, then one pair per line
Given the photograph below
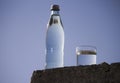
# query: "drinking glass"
x,y
86,55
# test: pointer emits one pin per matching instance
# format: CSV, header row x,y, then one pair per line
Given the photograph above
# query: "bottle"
x,y
54,40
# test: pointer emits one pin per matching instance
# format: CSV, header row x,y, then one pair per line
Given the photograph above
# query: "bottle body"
x,y
54,43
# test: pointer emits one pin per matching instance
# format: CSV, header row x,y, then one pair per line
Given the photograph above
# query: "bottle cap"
x,y
55,7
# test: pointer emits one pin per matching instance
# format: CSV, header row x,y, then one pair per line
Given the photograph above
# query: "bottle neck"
x,y
54,12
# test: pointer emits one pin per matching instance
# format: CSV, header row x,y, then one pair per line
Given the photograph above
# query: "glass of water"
x,y
86,55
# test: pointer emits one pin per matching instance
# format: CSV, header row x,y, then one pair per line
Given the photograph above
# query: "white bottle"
x,y
54,40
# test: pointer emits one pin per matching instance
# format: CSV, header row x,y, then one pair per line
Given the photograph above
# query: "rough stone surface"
x,y
101,73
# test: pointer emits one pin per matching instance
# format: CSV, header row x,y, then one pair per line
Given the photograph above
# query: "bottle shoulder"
x,y
54,28
55,19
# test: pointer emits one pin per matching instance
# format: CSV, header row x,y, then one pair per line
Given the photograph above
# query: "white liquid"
x,y
86,59
55,46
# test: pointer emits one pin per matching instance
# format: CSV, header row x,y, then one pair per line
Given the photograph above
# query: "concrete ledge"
x,y
101,73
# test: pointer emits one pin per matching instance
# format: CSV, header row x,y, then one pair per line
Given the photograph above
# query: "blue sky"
x,y
23,25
